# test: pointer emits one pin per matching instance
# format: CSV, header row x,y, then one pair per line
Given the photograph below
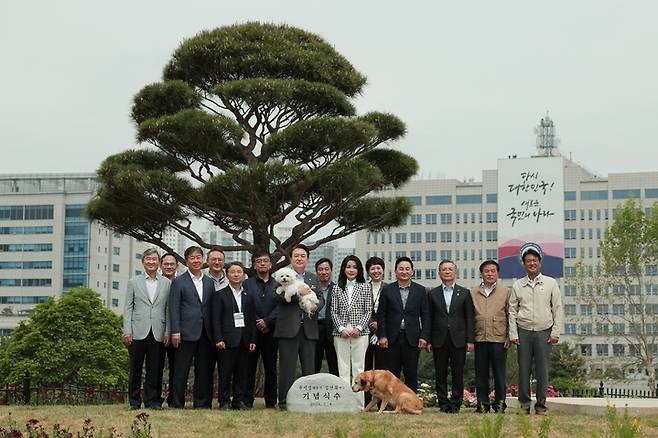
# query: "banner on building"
x,y
531,210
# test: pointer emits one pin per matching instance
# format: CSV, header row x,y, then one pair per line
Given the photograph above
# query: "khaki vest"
x,y
490,313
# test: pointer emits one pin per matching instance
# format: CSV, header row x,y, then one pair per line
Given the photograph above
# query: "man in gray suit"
x,y
296,333
146,330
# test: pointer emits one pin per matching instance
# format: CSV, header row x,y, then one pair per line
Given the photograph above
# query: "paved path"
x,y
597,406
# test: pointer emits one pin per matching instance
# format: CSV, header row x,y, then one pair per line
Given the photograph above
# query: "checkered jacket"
x,y
357,313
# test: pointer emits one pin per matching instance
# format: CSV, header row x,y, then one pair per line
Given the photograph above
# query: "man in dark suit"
x,y
403,322
262,288
191,331
234,331
146,330
296,332
452,335
325,345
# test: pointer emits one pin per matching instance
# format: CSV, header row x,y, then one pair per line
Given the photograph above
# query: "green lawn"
x,y
264,423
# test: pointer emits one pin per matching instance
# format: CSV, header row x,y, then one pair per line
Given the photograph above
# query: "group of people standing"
x,y
360,323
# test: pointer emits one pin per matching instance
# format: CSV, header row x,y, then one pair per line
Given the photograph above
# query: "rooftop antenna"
x,y
546,141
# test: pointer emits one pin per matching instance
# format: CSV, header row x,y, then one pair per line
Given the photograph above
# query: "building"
x,y
465,221
47,246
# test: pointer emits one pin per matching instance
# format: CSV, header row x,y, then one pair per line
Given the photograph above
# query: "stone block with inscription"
x,y
322,393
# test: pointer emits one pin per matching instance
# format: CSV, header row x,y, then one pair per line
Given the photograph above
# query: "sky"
x,y
470,79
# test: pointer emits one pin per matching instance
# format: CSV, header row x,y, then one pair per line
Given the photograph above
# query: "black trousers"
x,y
403,358
168,354
203,354
325,347
490,355
446,356
375,360
267,349
150,351
233,363
289,349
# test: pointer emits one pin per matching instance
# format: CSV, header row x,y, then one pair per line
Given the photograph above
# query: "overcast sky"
x,y
470,79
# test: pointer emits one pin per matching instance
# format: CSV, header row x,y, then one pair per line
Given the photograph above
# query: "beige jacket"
x,y
490,313
535,308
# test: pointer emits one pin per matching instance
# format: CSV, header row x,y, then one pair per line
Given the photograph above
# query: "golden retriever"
x,y
388,389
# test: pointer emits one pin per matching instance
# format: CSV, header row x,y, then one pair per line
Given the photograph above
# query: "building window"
x,y
400,237
618,350
430,274
618,309
492,217
430,256
569,215
652,270
585,310
601,309
415,256
603,329
570,309
430,219
438,200
491,254
492,236
626,194
115,285
116,250
446,236
416,219
492,198
569,196
446,218
618,328
38,212
115,302
569,253
651,193
416,237
446,254
594,195
115,267
569,234
585,349
415,200
430,237
601,349
569,291
469,199
570,329
586,329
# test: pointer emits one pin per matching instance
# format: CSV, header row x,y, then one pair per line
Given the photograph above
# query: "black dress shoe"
x,y
282,407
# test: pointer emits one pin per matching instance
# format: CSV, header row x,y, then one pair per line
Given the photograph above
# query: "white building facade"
x,y
48,246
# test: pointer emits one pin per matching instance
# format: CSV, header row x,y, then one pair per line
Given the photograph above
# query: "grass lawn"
x,y
264,423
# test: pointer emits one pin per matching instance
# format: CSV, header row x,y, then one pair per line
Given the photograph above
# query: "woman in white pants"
x,y
351,308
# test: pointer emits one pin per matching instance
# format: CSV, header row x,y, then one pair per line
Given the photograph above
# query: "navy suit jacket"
x,y
416,314
263,295
189,314
224,329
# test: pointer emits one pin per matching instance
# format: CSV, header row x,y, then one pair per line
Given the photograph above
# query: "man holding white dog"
x,y
295,331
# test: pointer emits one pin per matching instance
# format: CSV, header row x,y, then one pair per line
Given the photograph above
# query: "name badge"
x,y
238,318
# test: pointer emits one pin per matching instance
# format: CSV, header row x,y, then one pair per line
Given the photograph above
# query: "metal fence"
x,y
602,391
27,392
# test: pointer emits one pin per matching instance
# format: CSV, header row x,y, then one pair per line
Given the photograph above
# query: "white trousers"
x,y
351,354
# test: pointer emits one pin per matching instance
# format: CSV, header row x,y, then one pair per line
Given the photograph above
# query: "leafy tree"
x,y
568,369
73,339
625,280
251,124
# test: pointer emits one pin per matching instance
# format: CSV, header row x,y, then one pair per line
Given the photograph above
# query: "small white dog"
x,y
289,286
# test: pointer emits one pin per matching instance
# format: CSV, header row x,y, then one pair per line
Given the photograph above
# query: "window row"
x,y
44,264
23,300
26,247
17,282
26,212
